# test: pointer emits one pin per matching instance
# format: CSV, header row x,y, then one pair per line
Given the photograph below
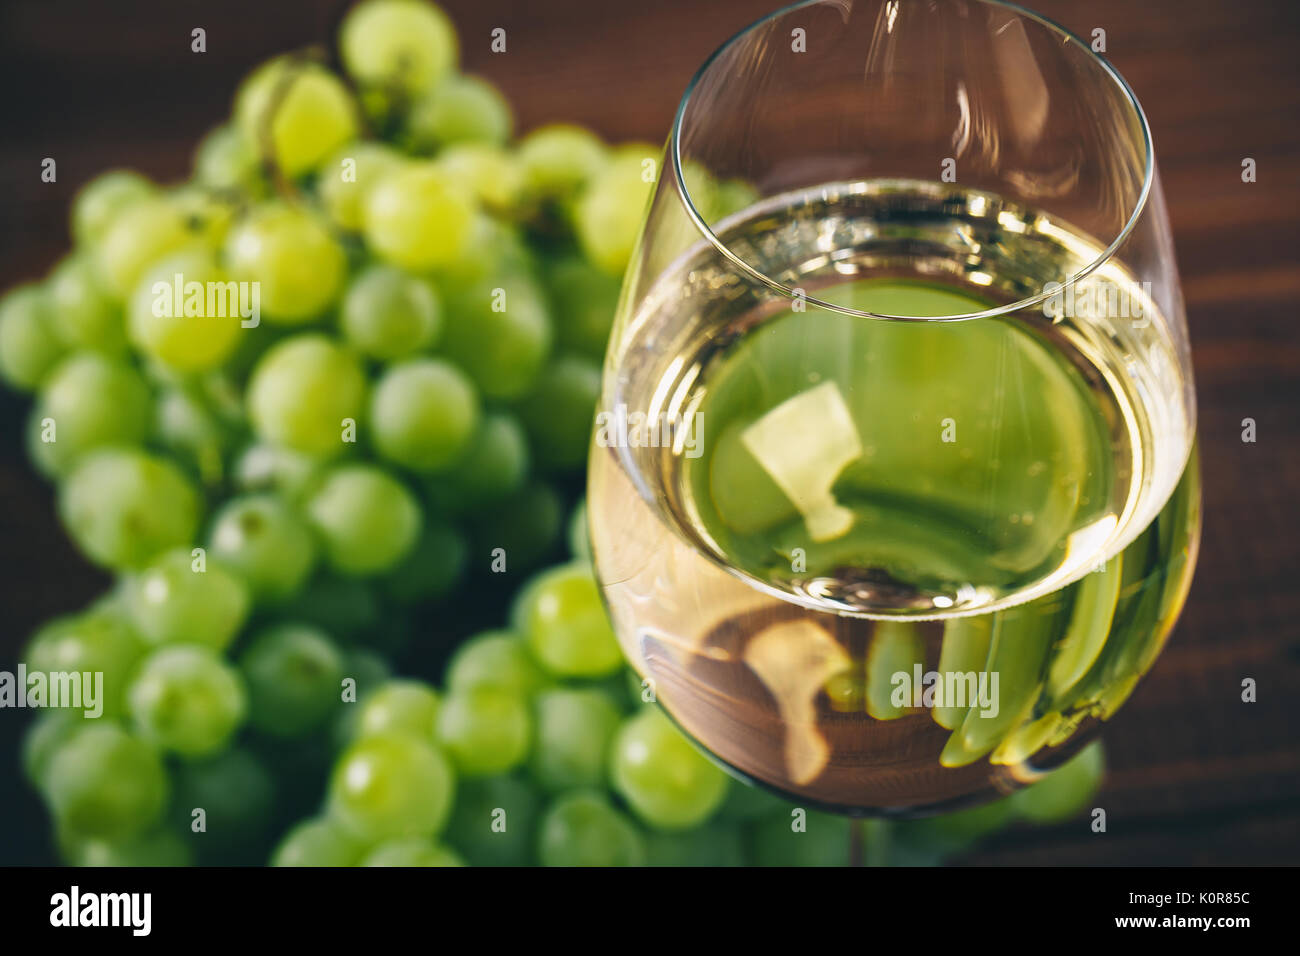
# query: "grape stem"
x,y
397,102
266,122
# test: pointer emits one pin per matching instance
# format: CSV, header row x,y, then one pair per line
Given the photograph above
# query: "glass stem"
x,y
869,842
857,842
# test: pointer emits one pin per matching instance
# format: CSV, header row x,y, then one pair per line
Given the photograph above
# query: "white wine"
x,y
889,565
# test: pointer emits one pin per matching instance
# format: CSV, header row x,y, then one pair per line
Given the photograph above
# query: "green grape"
x,y
194,330
485,729
463,109
185,424
568,631
955,831
99,201
701,187
579,533
402,45
82,313
123,507
178,600
187,427
494,659
387,314
731,197
103,782
221,393
208,214
417,218
412,852
296,111
187,700
140,234
263,467
236,792
381,107
712,845
385,788
400,706
343,729
369,670
423,413
521,529
262,539
345,607
559,412
294,675
492,467
488,172
1065,791
366,520
502,333
494,248
345,179
43,739
29,344
583,829
299,267
226,159
158,847
799,837
747,802
559,160
432,568
609,213
583,301
100,641
88,402
301,393
319,842
494,821
669,783
644,155
575,728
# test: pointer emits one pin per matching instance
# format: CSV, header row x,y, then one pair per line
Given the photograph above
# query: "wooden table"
x,y
1197,776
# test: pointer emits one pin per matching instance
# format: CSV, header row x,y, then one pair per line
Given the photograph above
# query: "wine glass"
x,y
894,492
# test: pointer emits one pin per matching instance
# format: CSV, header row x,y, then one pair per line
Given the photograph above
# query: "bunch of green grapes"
x,y
297,406
293,401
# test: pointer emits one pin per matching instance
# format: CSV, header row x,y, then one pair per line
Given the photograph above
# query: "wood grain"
x,y
1197,777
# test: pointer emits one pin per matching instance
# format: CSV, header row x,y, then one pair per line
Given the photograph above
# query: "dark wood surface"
x,y
1197,776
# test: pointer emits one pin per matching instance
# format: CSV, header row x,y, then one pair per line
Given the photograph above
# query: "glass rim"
x,y
1068,36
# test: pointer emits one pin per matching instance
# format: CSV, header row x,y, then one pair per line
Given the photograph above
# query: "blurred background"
x,y
1196,776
